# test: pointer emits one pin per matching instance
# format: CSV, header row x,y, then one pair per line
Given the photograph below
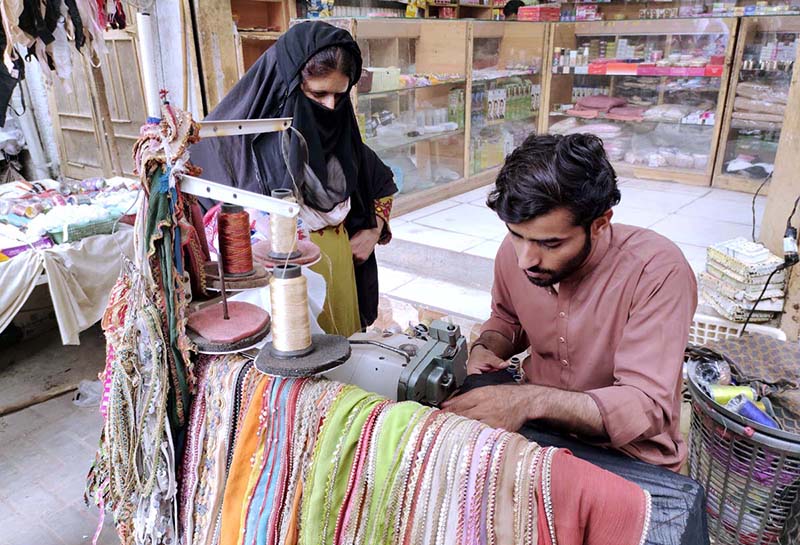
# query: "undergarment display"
x,y
43,30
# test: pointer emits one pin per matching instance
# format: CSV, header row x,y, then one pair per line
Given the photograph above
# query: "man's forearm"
x,y
496,343
573,412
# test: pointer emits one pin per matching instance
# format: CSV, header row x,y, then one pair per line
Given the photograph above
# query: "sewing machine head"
x,y
426,366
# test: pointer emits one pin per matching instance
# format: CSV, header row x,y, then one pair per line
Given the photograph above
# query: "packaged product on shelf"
x,y
626,113
757,105
561,127
760,91
666,112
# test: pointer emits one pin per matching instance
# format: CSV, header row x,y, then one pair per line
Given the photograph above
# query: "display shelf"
x,y
511,59
714,71
407,90
483,78
602,117
397,49
506,89
671,174
756,106
683,58
378,145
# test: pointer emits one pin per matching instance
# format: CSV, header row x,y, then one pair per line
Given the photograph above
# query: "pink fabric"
x,y
594,507
626,113
586,114
615,329
470,531
602,103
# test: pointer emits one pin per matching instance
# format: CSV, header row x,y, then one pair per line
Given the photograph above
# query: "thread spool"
x,y
745,407
283,230
723,394
291,326
236,252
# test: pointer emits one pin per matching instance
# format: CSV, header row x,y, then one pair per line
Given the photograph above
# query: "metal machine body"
x,y
426,367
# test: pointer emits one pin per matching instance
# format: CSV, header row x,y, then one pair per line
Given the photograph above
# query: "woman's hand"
x,y
363,243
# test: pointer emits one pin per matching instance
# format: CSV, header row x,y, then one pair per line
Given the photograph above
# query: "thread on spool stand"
x,y
236,252
291,325
283,230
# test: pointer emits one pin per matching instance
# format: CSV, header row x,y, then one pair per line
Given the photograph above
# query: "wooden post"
x,y
106,123
218,68
784,189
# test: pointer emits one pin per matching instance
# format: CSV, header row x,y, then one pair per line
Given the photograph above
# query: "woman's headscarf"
x,y
272,88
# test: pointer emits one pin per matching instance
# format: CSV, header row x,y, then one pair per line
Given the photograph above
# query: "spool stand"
x,y
324,353
221,311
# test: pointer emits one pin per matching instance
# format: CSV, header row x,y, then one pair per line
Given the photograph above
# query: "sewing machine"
x,y
426,366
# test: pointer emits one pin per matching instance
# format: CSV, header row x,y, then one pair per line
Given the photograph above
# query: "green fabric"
x,y
160,236
326,484
391,442
340,314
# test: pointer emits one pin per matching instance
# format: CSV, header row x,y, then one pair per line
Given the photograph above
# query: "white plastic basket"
x,y
707,328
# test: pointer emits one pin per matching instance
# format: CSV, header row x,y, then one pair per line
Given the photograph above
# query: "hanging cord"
x,y
753,206
790,258
285,142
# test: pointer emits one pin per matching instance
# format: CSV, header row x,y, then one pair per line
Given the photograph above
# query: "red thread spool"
x,y
236,252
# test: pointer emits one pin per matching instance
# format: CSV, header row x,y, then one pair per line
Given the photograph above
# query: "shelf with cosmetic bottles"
x,y
444,135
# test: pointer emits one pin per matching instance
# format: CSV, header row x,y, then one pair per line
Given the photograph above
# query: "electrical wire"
x,y
760,297
794,209
790,258
753,207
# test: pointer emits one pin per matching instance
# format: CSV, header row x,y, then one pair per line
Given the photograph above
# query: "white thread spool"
x,y
283,230
291,326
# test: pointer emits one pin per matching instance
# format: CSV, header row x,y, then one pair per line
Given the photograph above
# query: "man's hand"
x,y
363,242
482,361
505,407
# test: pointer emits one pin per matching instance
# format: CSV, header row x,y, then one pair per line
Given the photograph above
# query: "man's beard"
x,y
554,277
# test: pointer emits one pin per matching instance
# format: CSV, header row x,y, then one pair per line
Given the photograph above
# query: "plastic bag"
x,y
89,393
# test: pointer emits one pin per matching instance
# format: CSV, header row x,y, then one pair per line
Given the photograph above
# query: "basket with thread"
x,y
76,231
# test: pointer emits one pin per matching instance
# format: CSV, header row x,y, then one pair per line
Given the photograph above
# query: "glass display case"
x,y
652,90
506,89
762,74
411,99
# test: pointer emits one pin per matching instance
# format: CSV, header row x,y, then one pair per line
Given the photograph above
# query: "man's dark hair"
x,y
512,7
549,172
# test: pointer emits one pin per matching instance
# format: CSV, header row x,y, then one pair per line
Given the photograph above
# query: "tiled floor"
x,y
693,217
45,453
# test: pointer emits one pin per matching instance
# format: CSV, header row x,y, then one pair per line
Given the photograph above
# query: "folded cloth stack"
x,y
735,275
590,107
759,106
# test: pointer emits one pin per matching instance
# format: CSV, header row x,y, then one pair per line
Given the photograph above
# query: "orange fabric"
x,y
592,506
240,469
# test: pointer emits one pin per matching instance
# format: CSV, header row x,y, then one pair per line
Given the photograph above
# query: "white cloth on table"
x,y
80,275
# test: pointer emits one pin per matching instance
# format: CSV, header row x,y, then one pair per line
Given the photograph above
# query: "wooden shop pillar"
x,y
216,46
784,189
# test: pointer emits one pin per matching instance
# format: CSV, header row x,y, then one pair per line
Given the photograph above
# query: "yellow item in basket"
x,y
3,257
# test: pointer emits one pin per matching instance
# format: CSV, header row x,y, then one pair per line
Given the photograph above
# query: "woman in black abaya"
x,y
345,189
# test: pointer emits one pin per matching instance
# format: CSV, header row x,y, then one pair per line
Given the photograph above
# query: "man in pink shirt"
x,y
604,310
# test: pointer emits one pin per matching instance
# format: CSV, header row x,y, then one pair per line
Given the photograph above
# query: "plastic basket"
x,y
751,475
78,231
707,328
